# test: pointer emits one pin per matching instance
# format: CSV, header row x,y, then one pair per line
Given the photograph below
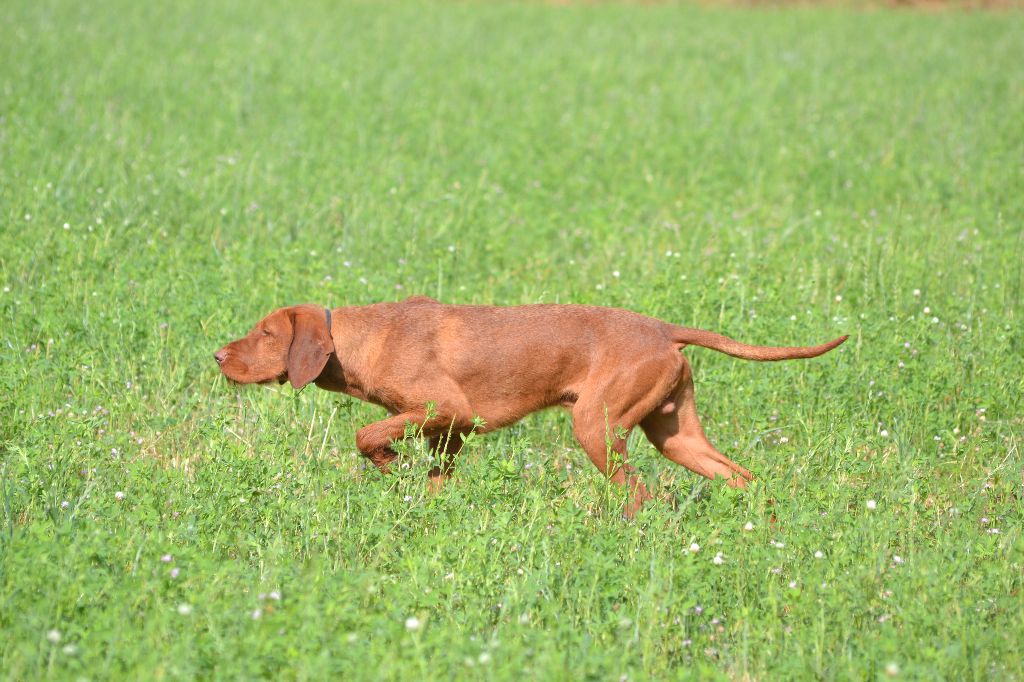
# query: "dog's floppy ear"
x,y
311,347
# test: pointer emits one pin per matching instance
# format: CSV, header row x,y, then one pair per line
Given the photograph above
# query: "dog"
x,y
484,367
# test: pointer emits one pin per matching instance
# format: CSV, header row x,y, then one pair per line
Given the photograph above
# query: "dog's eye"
x,y
264,332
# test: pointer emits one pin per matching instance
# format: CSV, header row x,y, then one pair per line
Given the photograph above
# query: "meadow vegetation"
x,y
171,172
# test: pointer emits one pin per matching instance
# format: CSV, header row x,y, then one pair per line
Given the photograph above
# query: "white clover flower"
x,y
184,609
897,559
718,560
53,636
819,555
748,526
412,623
871,504
694,547
119,495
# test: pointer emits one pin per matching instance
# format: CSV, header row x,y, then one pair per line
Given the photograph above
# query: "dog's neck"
x,y
332,378
342,371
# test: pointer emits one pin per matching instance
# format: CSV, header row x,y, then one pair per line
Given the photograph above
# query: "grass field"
x,y
170,172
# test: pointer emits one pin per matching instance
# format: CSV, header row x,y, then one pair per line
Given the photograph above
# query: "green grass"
x,y
170,172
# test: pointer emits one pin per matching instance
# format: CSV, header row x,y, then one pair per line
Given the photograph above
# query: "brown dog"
x,y
485,367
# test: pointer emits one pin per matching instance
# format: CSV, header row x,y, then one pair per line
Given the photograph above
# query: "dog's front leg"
x,y
374,440
445,447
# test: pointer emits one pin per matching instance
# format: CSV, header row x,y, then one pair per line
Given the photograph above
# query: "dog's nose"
x,y
220,356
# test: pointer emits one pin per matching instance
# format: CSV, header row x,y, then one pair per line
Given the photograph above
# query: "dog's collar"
x,y
330,335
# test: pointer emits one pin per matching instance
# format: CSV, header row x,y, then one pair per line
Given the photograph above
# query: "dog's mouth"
x,y
236,367
279,379
238,373
234,373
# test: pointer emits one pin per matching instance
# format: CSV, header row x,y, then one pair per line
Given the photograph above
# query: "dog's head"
x,y
290,344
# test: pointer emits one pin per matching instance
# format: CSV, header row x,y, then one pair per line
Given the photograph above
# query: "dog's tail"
x,y
699,337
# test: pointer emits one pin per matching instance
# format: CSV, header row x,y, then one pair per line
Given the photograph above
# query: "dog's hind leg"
x,y
603,417
675,431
